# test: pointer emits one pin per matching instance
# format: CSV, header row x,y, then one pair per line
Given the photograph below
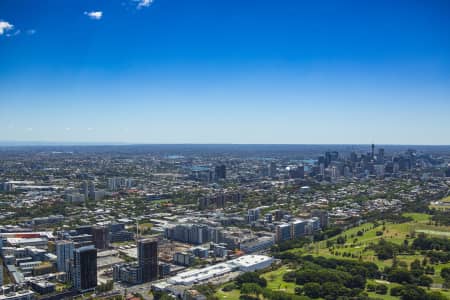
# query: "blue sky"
x,y
236,71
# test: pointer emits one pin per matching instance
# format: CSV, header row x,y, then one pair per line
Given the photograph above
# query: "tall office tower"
x,y
85,190
272,169
331,156
323,217
283,232
353,157
91,190
297,172
148,259
220,172
100,237
64,254
85,268
372,154
253,215
380,157
113,184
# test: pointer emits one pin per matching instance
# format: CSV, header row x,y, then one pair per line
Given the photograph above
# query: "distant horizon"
x,y
105,143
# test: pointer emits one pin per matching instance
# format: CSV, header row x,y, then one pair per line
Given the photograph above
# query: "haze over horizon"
x,y
253,72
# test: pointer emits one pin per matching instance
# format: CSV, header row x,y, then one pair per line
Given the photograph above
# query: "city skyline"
x,y
164,72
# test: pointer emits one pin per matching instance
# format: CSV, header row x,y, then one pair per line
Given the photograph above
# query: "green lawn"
x,y
275,281
446,199
395,233
232,295
418,217
355,245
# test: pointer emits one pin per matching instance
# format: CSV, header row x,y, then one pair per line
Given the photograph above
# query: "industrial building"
x,y
245,263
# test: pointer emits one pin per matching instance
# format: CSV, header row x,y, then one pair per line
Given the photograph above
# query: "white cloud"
x,y
17,32
94,15
5,26
31,31
144,3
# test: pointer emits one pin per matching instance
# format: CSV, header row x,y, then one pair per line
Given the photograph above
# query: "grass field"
x,y
396,233
232,295
275,281
446,199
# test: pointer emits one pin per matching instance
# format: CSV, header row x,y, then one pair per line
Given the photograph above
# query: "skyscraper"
x,y
85,268
64,254
91,190
220,172
148,259
380,157
85,190
100,237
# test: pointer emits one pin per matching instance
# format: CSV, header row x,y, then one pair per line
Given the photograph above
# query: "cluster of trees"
x,y
438,257
387,250
415,275
413,292
252,286
327,233
445,274
423,242
290,244
252,291
250,277
381,289
331,278
441,218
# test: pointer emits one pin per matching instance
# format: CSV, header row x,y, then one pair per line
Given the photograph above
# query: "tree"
x,y
445,273
424,280
312,289
251,277
396,291
371,287
229,287
381,289
400,276
412,292
251,289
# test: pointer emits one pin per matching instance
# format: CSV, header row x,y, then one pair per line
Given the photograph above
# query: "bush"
x,y
312,289
381,289
229,287
445,273
396,291
424,280
412,292
251,289
251,277
371,287
289,276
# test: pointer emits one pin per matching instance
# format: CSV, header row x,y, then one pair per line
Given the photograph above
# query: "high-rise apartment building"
x,y
64,254
85,268
148,259
101,237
